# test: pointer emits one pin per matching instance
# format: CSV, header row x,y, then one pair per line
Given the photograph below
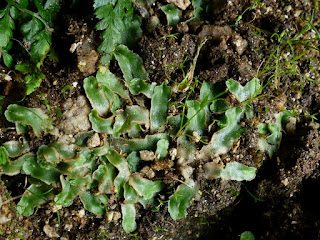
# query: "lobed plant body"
x,y
107,161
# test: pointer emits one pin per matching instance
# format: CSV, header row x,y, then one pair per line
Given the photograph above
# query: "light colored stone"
x,y
116,216
94,141
240,44
76,117
82,213
50,231
146,155
182,4
148,172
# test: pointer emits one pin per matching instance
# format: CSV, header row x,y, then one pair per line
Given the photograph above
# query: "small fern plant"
x,y
36,28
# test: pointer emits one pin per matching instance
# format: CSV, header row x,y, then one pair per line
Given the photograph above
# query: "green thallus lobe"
x,y
80,173
60,173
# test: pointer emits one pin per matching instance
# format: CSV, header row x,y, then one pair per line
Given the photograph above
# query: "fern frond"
x,y
7,25
119,25
38,29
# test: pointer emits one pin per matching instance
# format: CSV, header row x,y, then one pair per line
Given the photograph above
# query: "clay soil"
x,y
280,203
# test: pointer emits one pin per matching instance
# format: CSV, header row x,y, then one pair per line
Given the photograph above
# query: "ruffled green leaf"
x,y
133,161
185,150
97,96
250,90
82,138
144,187
49,176
130,195
109,80
47,157
32,198
128,217
3,156
33,117
83,183
162,149
65,151
120,163
99,124
271,143
16,148
219,106
21,128
92,203
130,63
174,124
147,143
196,117
105,175
79,166
238,172
172,14
68,193
208,92
102,150
125,119
12,168
159,107
137,86
181,200
135,131
222,140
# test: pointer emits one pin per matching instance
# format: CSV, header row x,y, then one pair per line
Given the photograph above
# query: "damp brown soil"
x,y
280,203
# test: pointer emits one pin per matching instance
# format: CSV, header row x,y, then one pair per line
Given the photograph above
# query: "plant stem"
x,y
33,14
